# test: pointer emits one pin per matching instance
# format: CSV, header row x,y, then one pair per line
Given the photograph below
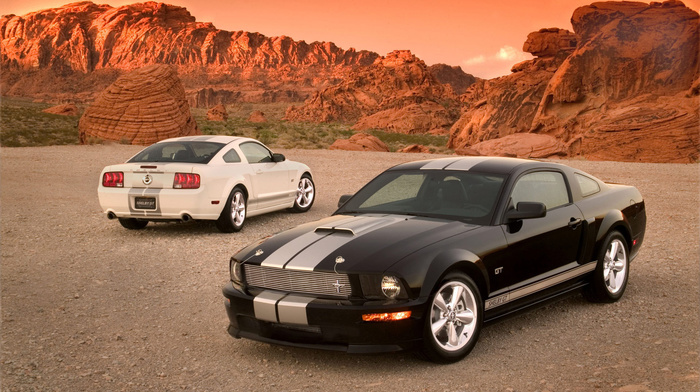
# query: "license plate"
x,y
145,203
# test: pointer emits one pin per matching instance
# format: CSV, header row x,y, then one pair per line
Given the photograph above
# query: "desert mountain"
x,y
623,87
80,40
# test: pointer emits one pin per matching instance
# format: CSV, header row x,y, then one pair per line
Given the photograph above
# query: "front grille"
x,y
305,282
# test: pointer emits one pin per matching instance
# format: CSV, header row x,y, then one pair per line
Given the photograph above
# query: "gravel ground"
x,y
90,306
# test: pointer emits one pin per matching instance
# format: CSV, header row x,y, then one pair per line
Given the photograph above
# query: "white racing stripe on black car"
x,y
282,308
309,258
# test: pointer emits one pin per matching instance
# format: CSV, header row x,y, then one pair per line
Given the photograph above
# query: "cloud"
x,y
496,64
475,60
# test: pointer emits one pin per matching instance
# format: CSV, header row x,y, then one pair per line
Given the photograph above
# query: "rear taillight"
x,y
113,179
186,181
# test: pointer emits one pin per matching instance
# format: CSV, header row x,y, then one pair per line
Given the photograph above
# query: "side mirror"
x,y
278,158
526,210
343,199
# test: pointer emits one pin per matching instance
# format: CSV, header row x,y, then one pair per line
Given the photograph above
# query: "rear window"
x,y
187,152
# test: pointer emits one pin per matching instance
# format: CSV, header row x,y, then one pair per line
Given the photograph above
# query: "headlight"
x,y
391,287
235,268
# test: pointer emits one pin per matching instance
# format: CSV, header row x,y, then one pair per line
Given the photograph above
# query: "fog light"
x,y
391,286
396,316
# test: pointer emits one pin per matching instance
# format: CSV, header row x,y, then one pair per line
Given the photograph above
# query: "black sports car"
x,y
428,251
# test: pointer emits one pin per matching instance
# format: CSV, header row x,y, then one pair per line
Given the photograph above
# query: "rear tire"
x,y
133,223
453,320
233,215
612,271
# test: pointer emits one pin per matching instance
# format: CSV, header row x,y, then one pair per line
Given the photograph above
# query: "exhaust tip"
x,y
111,215
186,217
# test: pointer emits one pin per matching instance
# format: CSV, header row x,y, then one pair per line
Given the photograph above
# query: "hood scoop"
x,y
358,225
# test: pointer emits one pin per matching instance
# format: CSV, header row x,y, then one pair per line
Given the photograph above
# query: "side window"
x,y
232,156
543,187
256,153
588,185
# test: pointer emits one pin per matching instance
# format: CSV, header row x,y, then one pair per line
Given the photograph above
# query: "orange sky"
x,y
485,38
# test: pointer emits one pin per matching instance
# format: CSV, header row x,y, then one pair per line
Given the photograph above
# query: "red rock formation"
x,y
257,117
524,145
624,92
141,107
415,148
360,142
397,94
217,113
66,109
454,76
82,37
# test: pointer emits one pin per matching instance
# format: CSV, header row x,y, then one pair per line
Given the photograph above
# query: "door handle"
x,y
574,223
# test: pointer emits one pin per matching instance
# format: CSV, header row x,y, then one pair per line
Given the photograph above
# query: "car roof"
x,y
495,165
207,138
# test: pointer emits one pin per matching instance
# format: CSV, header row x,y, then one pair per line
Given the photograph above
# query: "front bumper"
x,y
275,317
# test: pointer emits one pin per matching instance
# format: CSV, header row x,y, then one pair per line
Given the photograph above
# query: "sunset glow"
x,y
484,38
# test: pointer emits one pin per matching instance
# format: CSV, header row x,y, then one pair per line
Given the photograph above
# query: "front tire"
x,y
612,271
453,321
233,215
133,223
306,194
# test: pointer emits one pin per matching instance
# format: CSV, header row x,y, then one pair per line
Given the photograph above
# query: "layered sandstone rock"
x,y
217,113
141,107
66,109
360,142
453,76
523,145
622,90
397,93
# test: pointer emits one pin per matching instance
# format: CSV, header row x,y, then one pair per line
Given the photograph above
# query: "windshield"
x,y
458,195
189,152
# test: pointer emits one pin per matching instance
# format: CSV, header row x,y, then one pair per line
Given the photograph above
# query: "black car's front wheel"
x,y
233,215
454,320
611,273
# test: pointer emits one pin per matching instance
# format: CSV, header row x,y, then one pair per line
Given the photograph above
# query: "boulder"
x,y
141,107
520,145
415,148
257,117
66,109
360,142
217,113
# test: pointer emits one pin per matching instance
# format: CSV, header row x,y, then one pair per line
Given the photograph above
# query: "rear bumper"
x,y
323,324
169,203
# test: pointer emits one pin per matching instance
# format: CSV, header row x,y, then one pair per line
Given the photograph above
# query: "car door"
x,y
270,180
541,247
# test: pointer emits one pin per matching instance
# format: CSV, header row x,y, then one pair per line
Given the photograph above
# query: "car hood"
x,y
368,243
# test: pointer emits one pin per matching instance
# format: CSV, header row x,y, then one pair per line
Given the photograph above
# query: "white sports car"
x,y
221,178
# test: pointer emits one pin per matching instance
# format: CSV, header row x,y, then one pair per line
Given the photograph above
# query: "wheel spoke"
x,y
466,316
456,296
438,325
618,266
612,281
453,336
440,303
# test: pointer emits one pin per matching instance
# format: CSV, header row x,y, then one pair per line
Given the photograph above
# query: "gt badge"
x,y
147,179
